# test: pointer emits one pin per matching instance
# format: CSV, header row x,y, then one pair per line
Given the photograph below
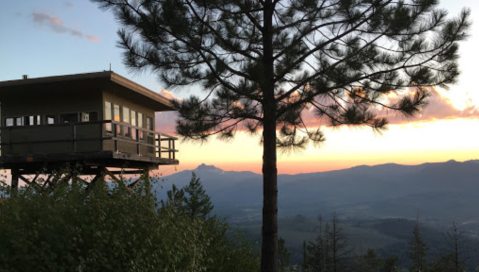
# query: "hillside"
x,y
438,192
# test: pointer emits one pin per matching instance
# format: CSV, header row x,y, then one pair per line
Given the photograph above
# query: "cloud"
x,y
165,122
442,105
68,4
93,38
56,24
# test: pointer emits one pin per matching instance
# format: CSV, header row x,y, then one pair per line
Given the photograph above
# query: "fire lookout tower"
x,y
100,121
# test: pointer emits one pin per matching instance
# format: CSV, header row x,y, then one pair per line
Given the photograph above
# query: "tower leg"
x,y
15,176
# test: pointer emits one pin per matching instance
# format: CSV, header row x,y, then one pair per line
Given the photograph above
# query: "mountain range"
x,y
437,192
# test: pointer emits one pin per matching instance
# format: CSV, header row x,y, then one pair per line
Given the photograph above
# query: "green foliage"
x,y
263,61
283,256
197,202
110,228
330,249
417,252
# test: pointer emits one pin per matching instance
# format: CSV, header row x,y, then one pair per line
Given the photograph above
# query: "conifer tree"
x,y
197,203
263,62
417,252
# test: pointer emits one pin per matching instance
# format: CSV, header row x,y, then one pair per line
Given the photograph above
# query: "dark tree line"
x,y
330,252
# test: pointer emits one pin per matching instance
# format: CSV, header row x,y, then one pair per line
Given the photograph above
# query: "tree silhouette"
x,y
197,203
263,62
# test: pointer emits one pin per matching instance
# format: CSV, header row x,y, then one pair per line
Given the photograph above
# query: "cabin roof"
x,y
156,100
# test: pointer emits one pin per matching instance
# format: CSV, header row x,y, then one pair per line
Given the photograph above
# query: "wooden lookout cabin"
x,y
95,120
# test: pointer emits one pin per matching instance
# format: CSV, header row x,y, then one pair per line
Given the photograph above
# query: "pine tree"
x,y
197,203
417,252
283,256
330,249
263,62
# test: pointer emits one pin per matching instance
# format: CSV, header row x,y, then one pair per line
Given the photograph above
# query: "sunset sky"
x,y
50,37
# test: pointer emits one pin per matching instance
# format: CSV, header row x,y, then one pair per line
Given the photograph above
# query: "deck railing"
x,y
104,135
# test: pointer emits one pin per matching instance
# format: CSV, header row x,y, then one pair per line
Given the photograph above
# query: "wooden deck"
x,y
90,144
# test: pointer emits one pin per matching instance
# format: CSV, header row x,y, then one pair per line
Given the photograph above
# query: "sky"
x,y
57,37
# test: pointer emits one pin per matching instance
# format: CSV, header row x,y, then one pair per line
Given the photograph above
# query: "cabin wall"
x,y
46,100
113,93
52,100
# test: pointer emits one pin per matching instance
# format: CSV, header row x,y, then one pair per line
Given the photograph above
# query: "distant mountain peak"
x,y
208,168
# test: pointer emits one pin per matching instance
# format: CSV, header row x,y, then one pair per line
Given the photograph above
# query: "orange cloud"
x,y
56,24
165,122
442,105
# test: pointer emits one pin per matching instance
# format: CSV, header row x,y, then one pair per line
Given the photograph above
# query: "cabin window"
x,y
50,119
126,115
126,119
9,122
68,118
93,115
32,120
116,113
140,124
133,123
107,116
85,117
19,121
116,116
149,123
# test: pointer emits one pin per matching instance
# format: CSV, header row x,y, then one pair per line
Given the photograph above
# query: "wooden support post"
x,y
74,137
15,176
174,150
146,176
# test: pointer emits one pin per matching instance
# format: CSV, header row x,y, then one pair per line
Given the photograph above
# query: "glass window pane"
x,y
149,123
140,124
19,121
39,119
107,113
9,122
126,115
133,118
85,117
68,118
50,119
116,113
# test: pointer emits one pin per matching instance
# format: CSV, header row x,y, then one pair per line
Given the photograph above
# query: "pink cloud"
x,y
56,24
165,122
93,38
440,107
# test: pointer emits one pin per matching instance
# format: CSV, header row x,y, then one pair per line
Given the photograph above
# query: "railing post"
x,y
137,142
9,141
169,148
74,137
174,149
115,136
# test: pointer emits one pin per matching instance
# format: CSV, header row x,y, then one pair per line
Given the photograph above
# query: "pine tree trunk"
x,y
269,250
